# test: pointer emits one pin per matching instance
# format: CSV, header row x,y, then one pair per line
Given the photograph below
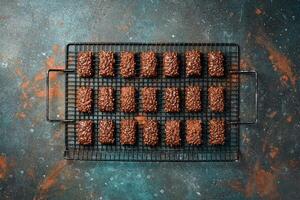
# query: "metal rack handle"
x,y
253,72
47,96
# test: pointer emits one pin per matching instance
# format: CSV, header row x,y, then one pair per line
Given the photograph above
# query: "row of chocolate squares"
x,y
106,99
149,64
150,131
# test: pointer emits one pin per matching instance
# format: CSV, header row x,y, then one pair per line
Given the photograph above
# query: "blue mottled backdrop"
x,y
33,36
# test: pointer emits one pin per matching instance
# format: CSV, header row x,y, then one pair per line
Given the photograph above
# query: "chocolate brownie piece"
x,y
193,132
106,99
172,100
172,130
84,99
216,131
84,64
193,98
170,64
106,132
193,63
150,132
128,131
84,130
216,99
128,99
106,64
148,64
149,101
127,65
215,64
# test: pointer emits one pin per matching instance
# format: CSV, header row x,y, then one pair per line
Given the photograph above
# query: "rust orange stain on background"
x,y
289,119
124,27
4,167
260,181
20,115
294,164
274,151
141,119
245,138
280,62
50,180
266,184
35,87
237,186
2,17
25,85
19,72
55,49
40,76
272,114
245,64
31,173
284,80
258,11
57,135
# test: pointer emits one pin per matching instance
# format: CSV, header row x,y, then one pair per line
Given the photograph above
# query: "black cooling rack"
x,y
117,152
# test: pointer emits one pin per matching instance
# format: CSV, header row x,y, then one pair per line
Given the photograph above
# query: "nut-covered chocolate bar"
x,y
127,65
193,98
106,64
215,64
128,99
148,64
172,100
84,130
216,131
84,64
170,64
149,101
84,99
194,131
150,132
172,131
106,99
216,99
128,131
193,63
106,132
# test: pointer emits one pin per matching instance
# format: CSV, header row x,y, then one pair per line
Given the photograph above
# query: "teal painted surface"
x,y
33,37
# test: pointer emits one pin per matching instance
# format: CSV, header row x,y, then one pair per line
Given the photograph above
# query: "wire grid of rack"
x,y
139,152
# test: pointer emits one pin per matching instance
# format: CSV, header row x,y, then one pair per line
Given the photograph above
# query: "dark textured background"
x,y
33,35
